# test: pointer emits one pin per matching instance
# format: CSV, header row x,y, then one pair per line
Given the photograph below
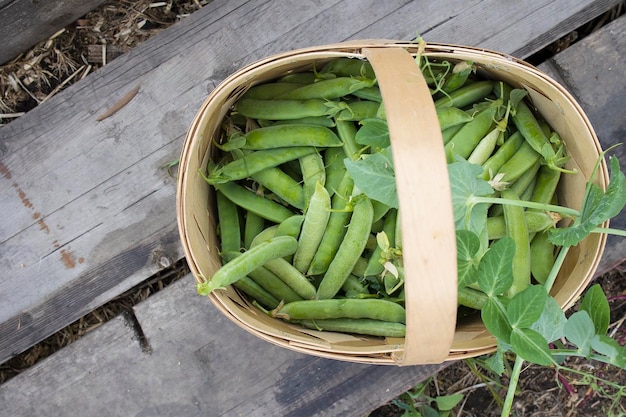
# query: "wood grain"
x,y
81,196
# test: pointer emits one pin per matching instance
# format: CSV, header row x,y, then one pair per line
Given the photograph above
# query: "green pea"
x,y
257,161
358,326
517,229
247,262
315,221
250,201
350,249
288,135
292,277
355,308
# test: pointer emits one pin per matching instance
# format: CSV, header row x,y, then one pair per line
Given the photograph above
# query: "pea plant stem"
x,y
608,230
510,394
527,204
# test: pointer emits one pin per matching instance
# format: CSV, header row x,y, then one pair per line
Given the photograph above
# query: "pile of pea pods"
x,y
303,242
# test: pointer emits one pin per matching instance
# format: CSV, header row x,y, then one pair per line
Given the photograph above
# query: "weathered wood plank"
x,y
77,193
593,70
23,23
199,364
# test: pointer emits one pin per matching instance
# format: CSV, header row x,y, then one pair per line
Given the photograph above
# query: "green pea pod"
x,y
357,326
451,116
374,266
466,95
328,89
369,93
466,139
502,155
547,182
359,110
247,262
273,285
536,221
281,184
269,91
249,287
257,161
315,221
292,277
254,224
335,228
250,201
517,229
349,67
354,308
542,257
523,160
229,227
350,249
313,172
286,109
288,135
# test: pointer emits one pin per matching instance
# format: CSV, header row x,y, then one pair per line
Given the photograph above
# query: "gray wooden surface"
x,y
199,364
23,23
89,212
595,76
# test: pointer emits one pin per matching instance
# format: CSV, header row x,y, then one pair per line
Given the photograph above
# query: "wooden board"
x,y
593,71
23,23
199,364
88,210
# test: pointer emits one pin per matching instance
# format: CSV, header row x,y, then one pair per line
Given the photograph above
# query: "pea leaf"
x,y
531,346
495,274
374,175
495,320
608,347
580,330
597,306
596,209
495,362
448,402
526,307
551,321
373,132
467,247
465,184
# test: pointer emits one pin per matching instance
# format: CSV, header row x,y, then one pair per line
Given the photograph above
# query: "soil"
x,y
118,26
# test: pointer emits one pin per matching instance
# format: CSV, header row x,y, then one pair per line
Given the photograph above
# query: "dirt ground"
x,y
118,26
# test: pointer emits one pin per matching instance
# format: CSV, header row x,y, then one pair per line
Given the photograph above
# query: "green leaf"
x,y
597,306
448,402
373,132
608,347
516,96
374,175
526,307
531,346
465,184
495,274
596,209
495,362
495,320
467,247
580,330
551,322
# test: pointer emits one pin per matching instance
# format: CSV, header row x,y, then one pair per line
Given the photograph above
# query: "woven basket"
x,y
433,334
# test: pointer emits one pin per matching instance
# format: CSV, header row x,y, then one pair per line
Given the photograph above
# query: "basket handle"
x,y
428,233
